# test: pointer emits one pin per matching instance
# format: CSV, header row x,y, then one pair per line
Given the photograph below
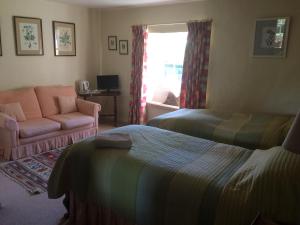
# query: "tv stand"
x,y
107,93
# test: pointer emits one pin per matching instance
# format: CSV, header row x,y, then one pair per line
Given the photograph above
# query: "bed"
x,y
168,178
251,131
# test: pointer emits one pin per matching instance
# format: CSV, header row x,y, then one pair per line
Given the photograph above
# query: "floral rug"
x,y
32,173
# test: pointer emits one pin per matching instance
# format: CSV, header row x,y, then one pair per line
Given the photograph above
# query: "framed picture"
x,y
112,43
0,45
123,47
64,38
271,37
260,220
28,36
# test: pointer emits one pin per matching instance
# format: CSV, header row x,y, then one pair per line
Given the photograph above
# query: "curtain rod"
x,y
166,24
178,23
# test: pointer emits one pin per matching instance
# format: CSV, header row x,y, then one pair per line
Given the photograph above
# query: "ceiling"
x,y
121,3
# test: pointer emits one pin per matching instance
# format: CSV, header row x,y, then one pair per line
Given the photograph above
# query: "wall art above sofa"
x,y
64,39
28,36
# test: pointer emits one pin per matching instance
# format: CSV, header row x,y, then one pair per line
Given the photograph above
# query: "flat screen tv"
x,y
107,82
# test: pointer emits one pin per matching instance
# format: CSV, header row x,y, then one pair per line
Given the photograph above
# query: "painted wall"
x,y
20,71
237,81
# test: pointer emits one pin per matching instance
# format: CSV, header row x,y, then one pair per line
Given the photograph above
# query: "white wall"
x,y
237,82
20,71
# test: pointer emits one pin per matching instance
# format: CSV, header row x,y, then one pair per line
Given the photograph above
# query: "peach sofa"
x,y
44,128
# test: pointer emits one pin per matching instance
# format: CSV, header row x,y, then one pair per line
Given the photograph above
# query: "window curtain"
x,y
195,66
138,88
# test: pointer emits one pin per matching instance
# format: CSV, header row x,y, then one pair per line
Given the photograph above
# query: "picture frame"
x,y
112,43
28,33
64,38
260,220
271,37
123,47
0,44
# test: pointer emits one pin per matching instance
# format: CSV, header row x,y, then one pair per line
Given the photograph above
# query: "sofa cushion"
x,y
72,120
47,96
14,110
27,99
67,104
35,127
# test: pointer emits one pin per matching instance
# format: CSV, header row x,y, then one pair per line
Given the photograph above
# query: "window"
x,y
164,66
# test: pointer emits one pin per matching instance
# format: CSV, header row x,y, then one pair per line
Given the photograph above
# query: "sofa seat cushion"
x,y
36,127
72,120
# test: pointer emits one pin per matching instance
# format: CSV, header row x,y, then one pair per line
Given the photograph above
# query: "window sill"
x,y
161,105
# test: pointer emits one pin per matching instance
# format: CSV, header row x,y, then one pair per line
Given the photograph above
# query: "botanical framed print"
x,y
271,37
0,45
112,43
123,47
64,38
28,36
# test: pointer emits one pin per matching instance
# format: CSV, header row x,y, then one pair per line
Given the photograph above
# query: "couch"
x,y
44,126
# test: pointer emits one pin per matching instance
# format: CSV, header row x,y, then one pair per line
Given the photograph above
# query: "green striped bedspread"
x,y
169,178
252,131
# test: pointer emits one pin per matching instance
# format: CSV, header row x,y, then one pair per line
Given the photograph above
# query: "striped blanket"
x,y
169,178
252,131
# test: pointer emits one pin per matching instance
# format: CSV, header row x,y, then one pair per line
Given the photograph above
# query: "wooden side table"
x,y
97,93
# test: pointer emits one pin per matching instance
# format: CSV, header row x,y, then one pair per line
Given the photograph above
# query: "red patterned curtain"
x,y
195,66
138,88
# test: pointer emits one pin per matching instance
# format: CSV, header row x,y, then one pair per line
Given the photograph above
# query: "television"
x,y
107,82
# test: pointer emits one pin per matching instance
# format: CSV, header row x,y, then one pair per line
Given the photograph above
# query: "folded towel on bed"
x,y
116,140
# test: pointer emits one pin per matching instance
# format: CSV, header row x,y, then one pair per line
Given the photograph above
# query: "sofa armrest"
x,y
89,108
9,133
7,122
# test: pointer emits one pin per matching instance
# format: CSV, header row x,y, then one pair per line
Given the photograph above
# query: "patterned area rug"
x,y
32,173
